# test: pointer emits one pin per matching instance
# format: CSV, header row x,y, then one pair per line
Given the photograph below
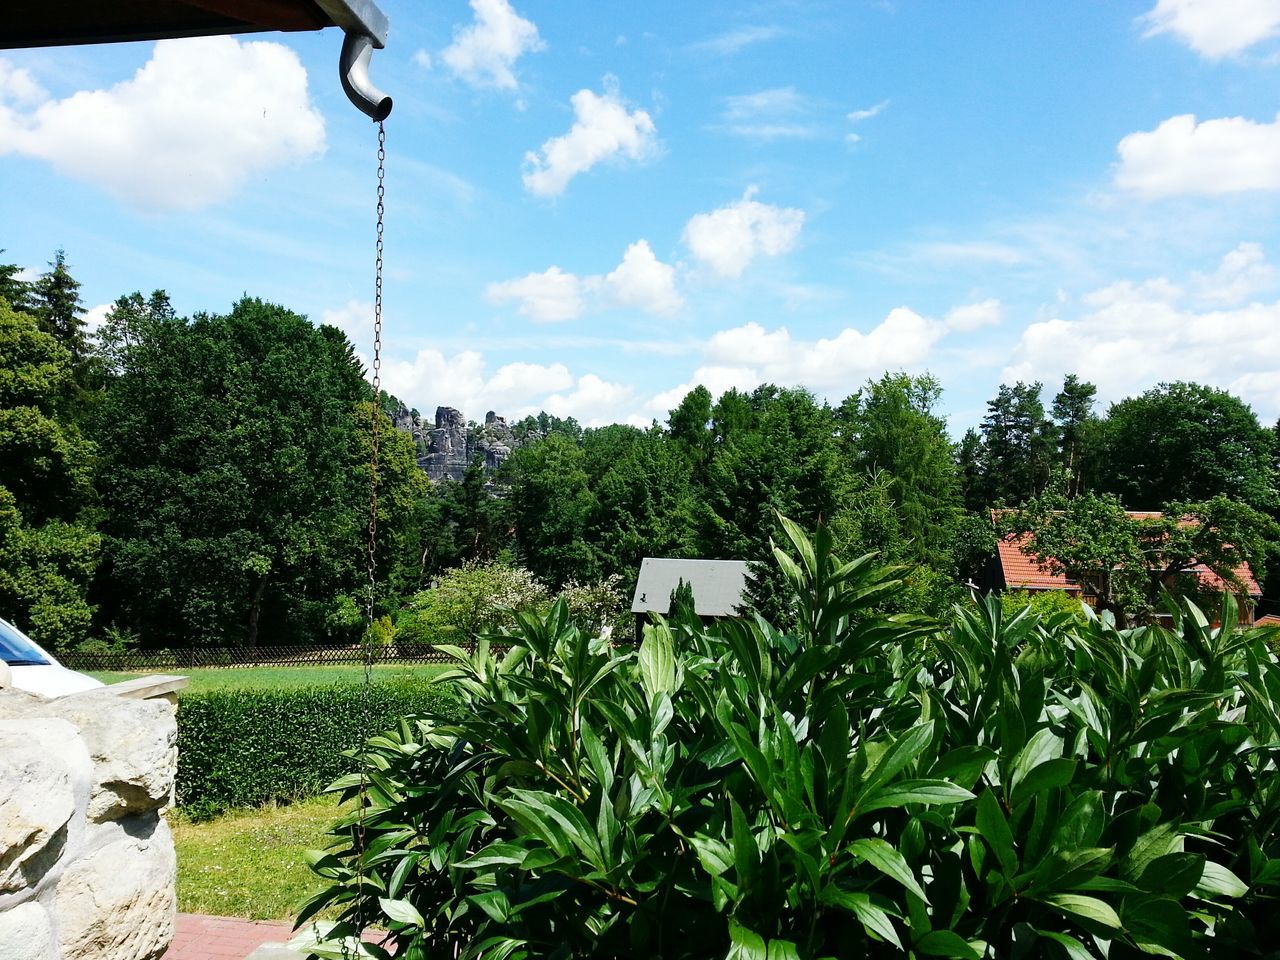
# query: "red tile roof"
x,y
1270,620
1021,572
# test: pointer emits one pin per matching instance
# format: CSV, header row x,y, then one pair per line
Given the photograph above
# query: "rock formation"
x,y
87,868
454,444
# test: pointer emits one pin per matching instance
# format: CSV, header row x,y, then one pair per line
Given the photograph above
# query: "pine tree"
x,y
1073,413
56,297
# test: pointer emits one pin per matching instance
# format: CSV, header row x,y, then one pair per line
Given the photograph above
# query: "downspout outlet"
x,y
353,70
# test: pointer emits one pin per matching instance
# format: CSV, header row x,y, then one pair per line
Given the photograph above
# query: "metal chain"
x,y
371,556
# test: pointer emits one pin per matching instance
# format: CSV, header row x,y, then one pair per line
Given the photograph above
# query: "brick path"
x,y
222,938
199,937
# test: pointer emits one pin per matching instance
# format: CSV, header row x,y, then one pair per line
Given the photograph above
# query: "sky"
x,y
593,207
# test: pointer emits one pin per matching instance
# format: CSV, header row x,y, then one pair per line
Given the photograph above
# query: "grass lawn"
x,y
204,679
248,863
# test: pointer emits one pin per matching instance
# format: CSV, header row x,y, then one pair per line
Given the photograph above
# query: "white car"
x,y
34,670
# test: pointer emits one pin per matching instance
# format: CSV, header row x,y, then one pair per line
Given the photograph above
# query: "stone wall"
x,y
87,868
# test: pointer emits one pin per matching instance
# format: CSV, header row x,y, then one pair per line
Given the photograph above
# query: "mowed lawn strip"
x,y
248,863
207,679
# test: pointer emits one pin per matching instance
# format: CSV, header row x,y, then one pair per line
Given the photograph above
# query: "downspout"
x,y
353,70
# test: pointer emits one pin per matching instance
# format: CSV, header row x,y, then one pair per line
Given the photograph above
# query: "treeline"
x,y
174,481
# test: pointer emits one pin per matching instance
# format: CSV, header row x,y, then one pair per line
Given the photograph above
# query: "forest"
x,y
173,481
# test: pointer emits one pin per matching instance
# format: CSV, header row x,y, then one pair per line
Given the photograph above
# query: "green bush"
x,y
1043,603
863,786
467,600
249,747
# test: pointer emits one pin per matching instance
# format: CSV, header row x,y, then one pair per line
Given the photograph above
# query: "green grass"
x,y
248,863
205,679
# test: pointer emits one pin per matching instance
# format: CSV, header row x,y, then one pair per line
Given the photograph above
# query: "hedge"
x,y
249,747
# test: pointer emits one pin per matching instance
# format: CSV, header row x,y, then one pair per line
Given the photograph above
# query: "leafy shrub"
x,y
1042,603
249,747
864,786
597,604
467,600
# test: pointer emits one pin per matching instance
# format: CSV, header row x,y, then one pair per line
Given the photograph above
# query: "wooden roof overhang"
x,y
48,23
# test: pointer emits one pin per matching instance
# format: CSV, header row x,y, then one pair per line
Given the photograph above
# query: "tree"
x,y
129,321
48,548
1073,415
889,427
971,470
235,479
13,289
1019,442
1127,561
1186,441
644,506
689,424
550,503
55,298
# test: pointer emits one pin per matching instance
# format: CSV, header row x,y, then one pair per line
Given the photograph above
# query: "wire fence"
x,y
143,661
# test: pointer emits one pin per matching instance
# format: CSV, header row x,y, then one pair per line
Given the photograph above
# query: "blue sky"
x,y
593,207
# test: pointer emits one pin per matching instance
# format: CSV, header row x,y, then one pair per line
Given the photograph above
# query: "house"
x,y
719,588
1013,569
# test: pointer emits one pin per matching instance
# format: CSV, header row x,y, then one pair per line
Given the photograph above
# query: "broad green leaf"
x,y
402,911
1085,908
905,749
1048,775
945,943
902,792
963,765
1073,947
745,944
994,828
1218,881
888,861
1045,745
496,854
873,918
1175,874
657,660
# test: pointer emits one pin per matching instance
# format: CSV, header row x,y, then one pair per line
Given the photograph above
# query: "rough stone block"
x,y
37,798
25,933
119,901
134,747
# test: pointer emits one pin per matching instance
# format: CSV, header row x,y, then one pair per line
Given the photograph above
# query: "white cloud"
x,y
594,402
484,52
734,41
1133,335
1181,156
745,357
1242,273
857,116
641,280
547,297
903,339
603,128
974,316
171,138
717,380
774,100
463,381
355,319
728,239
1215,28
771,114
422,59
17,85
